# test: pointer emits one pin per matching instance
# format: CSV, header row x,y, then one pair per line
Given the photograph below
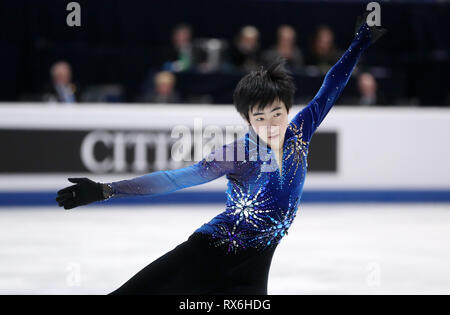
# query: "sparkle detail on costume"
x,y
262,200
248,208
272,234
297,149
233,239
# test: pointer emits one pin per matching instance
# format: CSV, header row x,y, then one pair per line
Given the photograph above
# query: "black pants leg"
x,y
194,267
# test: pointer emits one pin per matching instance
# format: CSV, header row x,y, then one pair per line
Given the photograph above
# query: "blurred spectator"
x,y
164,89
181,55
245,53
323,53
61,89
286,47
368,92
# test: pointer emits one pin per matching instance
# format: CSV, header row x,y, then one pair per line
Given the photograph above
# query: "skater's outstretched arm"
x,y
85,191
209,168
336,79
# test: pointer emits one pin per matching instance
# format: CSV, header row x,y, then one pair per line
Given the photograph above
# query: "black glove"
x,y
84,192
375,31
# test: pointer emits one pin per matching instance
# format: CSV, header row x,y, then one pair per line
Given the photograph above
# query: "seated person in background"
x,y
179,56
182,55
286,47
368,92
61,89
323,53
163,91
245,53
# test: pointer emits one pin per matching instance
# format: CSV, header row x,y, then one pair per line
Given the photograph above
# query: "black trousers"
x,y
195,267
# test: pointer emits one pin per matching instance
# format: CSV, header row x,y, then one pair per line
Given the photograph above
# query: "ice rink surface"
x,y
330,249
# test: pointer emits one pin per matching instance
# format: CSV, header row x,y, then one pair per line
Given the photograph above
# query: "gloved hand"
x,y
375,31
84,192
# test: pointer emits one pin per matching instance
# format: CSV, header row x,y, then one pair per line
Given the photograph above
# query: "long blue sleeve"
x,y
334,82
213,166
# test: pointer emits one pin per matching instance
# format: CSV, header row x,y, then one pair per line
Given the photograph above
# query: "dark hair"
x,y
263,87
181,26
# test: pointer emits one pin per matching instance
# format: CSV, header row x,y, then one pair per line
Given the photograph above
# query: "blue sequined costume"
x,y
262,201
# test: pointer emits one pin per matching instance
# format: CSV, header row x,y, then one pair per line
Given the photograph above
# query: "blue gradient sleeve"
x,y
334,82
213,166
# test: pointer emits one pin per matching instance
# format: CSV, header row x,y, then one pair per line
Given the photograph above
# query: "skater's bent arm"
x,y
334,82
164,182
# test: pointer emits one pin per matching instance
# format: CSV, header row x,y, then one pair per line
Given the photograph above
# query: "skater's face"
x,y
270,124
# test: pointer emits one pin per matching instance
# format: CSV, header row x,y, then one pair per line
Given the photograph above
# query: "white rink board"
x,y
378,148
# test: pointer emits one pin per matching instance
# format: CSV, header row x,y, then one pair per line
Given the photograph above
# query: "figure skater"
x,y
232,253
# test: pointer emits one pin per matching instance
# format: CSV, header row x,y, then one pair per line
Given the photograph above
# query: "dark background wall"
x,y
119,40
